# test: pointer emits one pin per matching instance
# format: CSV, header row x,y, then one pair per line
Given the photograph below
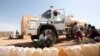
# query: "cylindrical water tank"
x,y
70,20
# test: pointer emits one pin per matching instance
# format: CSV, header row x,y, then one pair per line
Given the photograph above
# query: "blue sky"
x,y
11,11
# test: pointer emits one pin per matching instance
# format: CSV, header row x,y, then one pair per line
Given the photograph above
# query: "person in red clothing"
x,y
77,31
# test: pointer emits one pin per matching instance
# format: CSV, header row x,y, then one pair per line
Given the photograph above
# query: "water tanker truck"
x,y
53,20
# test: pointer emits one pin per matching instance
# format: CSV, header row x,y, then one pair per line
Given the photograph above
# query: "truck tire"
x,y
53,34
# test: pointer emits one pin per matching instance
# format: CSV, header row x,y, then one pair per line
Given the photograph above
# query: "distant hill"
x,y
6,33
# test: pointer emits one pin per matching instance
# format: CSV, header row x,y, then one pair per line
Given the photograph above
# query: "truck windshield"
x,y
47,14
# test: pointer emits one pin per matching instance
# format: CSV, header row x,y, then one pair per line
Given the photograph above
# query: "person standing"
x,y
78,33
17,34
85,30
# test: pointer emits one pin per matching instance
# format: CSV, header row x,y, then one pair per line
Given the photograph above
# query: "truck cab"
x,y
55,17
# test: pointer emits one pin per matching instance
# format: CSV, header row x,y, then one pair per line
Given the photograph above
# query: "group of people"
x,y
88,31
91,32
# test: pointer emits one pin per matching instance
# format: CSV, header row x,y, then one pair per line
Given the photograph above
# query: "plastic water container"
x,y
53,51
99,47
37,52
12,50
4,51
95,49
21,51
46,52
86,50
62,52
77,50
30,52
70,51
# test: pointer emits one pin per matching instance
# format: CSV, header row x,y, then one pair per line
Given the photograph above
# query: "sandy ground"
x,y
7,41
62,41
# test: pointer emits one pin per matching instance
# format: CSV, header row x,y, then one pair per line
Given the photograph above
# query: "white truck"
x,y
53,20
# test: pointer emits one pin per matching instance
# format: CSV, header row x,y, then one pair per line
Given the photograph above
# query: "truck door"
x,y
59,20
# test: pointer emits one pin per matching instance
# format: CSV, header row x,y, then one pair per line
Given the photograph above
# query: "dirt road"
x,y
63,41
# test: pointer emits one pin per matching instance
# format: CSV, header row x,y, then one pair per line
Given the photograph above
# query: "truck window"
x,y
59,19
47,14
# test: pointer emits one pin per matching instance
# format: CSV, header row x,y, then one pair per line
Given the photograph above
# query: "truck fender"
x,y
46,26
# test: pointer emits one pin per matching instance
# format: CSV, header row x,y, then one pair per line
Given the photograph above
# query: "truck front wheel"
x,y
50,34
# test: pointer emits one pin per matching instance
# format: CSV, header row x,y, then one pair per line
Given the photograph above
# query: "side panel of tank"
x,y
24,25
